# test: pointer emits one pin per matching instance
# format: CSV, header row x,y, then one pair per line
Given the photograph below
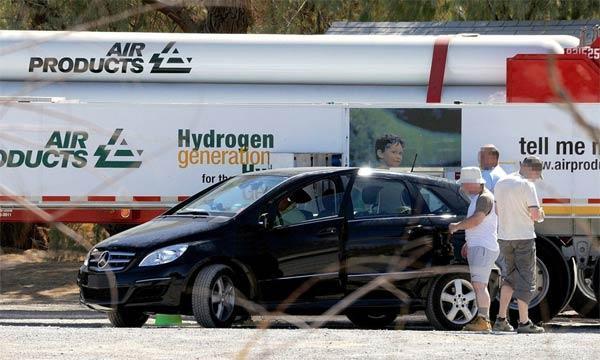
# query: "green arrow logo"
x,y
117,154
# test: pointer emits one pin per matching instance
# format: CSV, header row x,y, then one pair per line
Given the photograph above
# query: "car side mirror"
x,y
264,221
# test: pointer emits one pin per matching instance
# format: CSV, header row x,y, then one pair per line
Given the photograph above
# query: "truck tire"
x,y
127,318
554,286
372,318
214,297
596,282
584,300
451,302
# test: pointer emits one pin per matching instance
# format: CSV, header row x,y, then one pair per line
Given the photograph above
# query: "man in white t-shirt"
x,y
488,163
480,227
518,209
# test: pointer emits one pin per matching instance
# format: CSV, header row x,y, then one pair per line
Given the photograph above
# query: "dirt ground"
x,y
38,277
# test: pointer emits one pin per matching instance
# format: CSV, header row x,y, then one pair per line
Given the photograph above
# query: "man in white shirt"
x,y
488,163
482,242
518,209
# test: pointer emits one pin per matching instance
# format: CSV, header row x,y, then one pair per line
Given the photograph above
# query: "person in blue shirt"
x,y
488,163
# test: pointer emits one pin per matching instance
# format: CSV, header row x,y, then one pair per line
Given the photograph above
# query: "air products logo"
x,y
157,59
116,154
121,58
66,149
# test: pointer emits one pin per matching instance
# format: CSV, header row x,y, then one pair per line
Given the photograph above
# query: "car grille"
x,y
104,295
109,260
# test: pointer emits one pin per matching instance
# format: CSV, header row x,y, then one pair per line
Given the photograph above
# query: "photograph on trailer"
x,y
393,138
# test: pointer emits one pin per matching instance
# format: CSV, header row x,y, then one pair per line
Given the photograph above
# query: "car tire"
x,y
127,319
451,302
214,297
555,288
584,299
372,318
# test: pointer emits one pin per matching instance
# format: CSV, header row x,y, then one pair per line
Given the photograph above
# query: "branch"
x,y
179,14
222,16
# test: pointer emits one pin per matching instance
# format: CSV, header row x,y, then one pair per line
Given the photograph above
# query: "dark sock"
x,y
500,318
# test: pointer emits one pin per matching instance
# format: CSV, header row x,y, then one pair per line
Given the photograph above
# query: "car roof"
x,y
326,170
290,172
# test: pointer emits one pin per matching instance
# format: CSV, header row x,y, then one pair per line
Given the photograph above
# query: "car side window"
x,y
317,200
373,197
434,201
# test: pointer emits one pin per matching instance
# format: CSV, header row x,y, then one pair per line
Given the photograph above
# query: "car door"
x,y
442,206
385,233
305,244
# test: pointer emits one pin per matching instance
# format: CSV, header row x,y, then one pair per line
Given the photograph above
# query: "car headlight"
x,y
164,255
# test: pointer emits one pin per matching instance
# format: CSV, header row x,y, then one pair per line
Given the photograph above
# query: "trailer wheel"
x,y
553,288
372,318
585,300
596,282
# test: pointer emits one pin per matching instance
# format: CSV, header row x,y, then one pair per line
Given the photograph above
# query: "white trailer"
x,y
168,114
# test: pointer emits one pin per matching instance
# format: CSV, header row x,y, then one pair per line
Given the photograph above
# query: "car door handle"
x,y
410,232
327,232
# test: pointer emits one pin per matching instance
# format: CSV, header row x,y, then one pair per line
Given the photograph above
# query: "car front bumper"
x,y
150,289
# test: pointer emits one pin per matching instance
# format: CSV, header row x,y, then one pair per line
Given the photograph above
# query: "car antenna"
x,y
414,161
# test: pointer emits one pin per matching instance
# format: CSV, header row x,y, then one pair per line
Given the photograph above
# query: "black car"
x,y
298,240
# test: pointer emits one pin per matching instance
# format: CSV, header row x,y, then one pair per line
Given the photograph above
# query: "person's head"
x,y
284,203
471,180
389,150
531,168
488,157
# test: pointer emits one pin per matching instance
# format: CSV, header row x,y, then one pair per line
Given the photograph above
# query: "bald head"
x,y
488,157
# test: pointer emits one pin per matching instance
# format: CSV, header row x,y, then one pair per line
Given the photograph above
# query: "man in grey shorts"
x,y
482,242
518,209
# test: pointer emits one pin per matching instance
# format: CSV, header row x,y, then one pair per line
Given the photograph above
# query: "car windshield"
x,y
232,196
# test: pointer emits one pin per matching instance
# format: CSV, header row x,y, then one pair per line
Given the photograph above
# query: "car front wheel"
x,y
214,297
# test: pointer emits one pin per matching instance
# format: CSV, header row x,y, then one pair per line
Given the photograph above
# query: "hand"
x,y
542,215
464,251
535,214
453,227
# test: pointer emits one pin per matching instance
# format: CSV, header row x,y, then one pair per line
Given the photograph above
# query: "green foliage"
x,y
282,16
93,233
99,15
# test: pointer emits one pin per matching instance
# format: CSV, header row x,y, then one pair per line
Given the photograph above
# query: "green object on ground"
x,y
167,320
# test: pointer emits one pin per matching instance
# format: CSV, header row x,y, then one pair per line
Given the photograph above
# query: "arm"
x,y
467,223
482,209
536,213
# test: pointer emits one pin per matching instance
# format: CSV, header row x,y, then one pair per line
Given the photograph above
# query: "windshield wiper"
x,y
193,212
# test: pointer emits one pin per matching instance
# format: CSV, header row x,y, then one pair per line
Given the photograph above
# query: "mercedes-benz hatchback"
x,y
299,240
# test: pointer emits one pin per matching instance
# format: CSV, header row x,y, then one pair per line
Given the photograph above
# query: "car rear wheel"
x,y
127,319
214,297
372,318
451,302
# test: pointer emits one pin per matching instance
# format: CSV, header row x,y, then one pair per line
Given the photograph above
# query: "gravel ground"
x,y
71,332
40,318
